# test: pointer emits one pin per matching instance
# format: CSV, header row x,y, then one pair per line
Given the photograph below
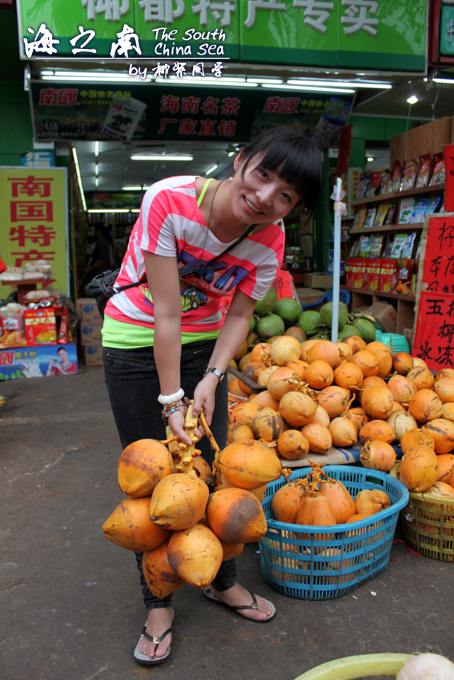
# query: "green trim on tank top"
x,y
122,335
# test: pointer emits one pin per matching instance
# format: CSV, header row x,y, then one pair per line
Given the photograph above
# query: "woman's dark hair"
x,y
60,348
294,156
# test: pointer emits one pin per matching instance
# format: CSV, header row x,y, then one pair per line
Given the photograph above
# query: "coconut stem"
x,y
346,413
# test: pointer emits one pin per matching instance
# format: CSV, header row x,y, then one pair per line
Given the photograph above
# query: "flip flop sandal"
x,y
146,660
207,594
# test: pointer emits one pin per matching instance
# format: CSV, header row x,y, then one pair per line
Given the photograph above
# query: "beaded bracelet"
x,y
169,409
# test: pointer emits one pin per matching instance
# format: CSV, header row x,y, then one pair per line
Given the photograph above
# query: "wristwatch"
x,y
216,372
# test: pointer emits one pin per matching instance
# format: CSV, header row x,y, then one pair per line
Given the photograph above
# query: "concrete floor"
x,y
70,600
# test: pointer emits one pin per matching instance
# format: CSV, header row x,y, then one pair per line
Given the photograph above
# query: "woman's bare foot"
x,y
159,620
239,596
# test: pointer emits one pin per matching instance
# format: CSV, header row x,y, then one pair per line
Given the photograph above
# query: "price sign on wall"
x,y
434,336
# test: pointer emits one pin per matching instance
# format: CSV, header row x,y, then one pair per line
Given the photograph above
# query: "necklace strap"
x,y
204,190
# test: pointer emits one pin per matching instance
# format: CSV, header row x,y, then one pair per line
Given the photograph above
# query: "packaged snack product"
x,y
374,184
390,214
397,175
376,245
359,274
363,185
432,203
365,243
355,248
386,186
409,174
387,275
360,217
12,326
404,271
424,171
406,209
381,215
370,218
407,248
419,208
40,327
373,273
439,172
398,244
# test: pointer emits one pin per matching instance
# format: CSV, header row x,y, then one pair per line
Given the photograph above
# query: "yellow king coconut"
x,y
249,465
284,349
377,402
195,554
425,406
292,445
159,575
236,516
402,422
178,502
297,408
334,400
442,432
142,465
130,527
371,501
267,424
419,469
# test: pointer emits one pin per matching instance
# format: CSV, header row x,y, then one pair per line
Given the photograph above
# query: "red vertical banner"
x,y
449,169
434,335
343,158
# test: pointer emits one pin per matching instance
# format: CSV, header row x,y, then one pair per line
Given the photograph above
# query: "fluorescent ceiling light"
x,y
212,169
310,88
231,153
109,210
96,169
189,80
413,99
370,159
79,178
444,81
96,181
91,76
260,81
131,188
161,157
135,210
96,148
340,83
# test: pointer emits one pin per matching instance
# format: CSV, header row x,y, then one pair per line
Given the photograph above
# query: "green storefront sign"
x,y
354,34
169,112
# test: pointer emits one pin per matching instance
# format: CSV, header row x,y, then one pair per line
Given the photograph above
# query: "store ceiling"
x,y
117,170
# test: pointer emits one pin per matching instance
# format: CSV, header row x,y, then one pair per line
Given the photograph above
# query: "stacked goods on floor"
x,y
90,330
169,514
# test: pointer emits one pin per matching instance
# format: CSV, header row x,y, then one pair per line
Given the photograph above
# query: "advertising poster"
x,y
38,362
33,217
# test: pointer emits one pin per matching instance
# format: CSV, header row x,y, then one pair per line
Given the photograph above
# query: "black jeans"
x,y
133,387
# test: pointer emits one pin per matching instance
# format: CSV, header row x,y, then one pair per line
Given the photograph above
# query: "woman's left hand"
x,y
204,396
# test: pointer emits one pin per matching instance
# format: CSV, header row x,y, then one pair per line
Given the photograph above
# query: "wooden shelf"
x,y
386,228
384,198
379,293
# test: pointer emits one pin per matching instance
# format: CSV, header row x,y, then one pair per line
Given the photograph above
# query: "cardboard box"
x,y
385,315
93,355
358,273
324,281
87,311
40,326
90,335
309,296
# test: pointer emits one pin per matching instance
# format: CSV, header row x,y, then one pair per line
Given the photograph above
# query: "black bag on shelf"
x,y
102,288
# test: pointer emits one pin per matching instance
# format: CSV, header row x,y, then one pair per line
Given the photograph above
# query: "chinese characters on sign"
x,y
355,16
33,215
210,106
435,323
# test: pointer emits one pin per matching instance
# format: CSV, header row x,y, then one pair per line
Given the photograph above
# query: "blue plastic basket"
x,y
320,563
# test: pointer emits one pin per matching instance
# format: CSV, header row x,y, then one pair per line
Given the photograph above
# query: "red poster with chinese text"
x,y
438,270
434,337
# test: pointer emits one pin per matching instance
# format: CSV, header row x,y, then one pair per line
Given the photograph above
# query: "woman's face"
x,y
261,196
63,354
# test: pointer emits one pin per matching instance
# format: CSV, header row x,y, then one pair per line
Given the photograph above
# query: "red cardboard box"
x,y
359,273
388,275
40,326
373,274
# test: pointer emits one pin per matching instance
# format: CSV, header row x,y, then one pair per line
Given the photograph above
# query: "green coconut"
x,y
347,331
289,310
266,305
326,313
308,319
253,324
269,326
366,328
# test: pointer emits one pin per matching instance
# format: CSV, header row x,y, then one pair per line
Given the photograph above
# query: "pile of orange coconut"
x,y
321,394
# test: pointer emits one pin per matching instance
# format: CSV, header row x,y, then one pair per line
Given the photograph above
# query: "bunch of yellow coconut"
x,y
307,406
169,514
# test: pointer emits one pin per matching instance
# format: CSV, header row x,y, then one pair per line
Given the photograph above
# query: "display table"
x,y
25,286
